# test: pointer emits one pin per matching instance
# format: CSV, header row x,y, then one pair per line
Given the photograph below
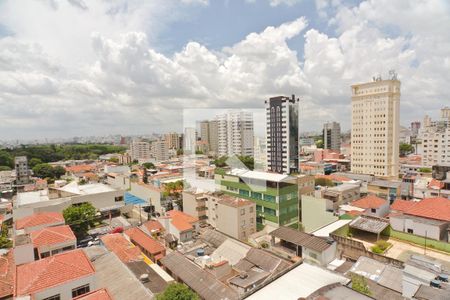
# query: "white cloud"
x,y
106,76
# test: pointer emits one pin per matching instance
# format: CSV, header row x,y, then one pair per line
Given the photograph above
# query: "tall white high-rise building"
x,y
235,133
282,134
189,140
376,127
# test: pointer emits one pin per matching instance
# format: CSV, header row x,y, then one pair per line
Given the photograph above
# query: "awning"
x,y
134,200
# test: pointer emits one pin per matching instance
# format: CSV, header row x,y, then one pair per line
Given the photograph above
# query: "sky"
x,y
83,68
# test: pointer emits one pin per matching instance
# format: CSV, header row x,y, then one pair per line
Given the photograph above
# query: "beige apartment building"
x,y
233,216
172,140
375,127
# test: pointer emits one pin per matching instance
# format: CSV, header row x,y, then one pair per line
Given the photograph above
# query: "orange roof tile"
x,y
124,250
38,219
52,235
139,238
7,274
370,201
153,225
402,205
101,294
436,184
80,168
181,220
333,177
432,208
150,186
52,271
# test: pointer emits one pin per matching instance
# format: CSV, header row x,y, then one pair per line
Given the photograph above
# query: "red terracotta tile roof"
x,y
432,208
101,294
436,184
139,238
153,226
370,201
334,177
52,236
124,250
181,220
7,274
38,219
80,168
52,271
150,186
402,205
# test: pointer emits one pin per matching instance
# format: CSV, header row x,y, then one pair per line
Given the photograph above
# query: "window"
x,y
68,248
56,251
242,211
118,199
45,254
80,290
313,255
251,209
410,231
55,297
373,210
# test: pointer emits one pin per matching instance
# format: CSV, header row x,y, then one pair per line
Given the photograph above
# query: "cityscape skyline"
x,y
98,88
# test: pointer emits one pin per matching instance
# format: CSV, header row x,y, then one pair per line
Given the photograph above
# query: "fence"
x,y
415,239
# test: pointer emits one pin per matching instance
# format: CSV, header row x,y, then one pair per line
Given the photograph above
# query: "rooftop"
x,y
432,208
124,250
39,219
299,282
181,220
52,271
369,224
326,230
259,175
7,274
156,284
153,226
52,235
301,238
32,197
202,282
143,240
402,205
368,202
79,168
234,201
86,189
386,183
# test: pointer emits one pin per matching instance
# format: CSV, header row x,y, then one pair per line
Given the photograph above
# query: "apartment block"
x,y
375,127
275,195
231,215
282,134
21,169
332,136
235,133
140,150
172,140
159,150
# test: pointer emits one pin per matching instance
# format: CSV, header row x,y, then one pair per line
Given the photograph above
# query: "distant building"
x,y
415,127
189,140
159,150
172,140
332,136
235,133
140,150
22,171
375,127
282,134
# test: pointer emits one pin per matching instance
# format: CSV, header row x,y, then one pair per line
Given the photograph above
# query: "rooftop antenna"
x,y
392,75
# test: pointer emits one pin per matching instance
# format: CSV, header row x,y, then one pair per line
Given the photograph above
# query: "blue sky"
x,y
72,67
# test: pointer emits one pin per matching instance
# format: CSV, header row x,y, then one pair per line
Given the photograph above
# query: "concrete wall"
x,y
320,258
150,195
60,246
65,290
23,254
190,204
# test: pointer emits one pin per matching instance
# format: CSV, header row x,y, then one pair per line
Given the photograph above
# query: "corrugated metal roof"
x,y
301,238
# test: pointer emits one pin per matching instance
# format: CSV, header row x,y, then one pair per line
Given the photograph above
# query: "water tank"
x,y
200,252
435,283
442,277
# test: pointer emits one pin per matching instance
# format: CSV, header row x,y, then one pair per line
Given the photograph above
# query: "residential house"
x,y
429,217
39,221
150,247
386,189
63,276
7,275
373,206
341,194
101,294
52,240
180,224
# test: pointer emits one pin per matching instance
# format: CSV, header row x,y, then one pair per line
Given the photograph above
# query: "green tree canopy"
x,y
148,165
6,159
359,284
323,182
34,162
5,168
406,149
47,171
177,291
80,218
248,161
319,144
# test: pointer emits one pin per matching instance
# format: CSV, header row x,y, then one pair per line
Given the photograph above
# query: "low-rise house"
x,y
341,194
153,228
429,217
7,275
386,189
373,206
101,294
180,224
150,247
63,276
311,248
39,221
52,240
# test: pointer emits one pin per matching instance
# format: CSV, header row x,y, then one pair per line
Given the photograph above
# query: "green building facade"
x,y
275,195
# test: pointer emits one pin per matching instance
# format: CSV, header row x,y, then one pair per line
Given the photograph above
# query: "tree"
x,y
5,168
34,161
319,144
80,218
114,160
199,152
43,171
148,165
406,149
180,152
248,161
359,284
425,170
5,242
323,182
6,159
58,171
177,291
220,161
